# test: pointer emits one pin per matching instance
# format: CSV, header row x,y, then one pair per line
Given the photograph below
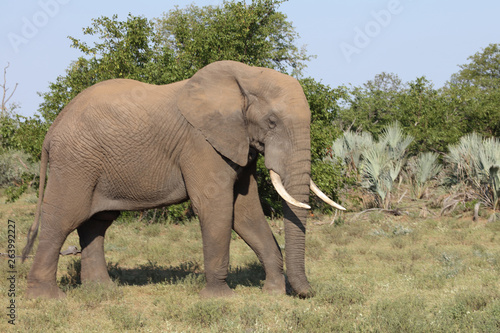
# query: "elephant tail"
x,y
33,231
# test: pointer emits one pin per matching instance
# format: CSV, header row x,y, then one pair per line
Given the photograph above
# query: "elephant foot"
x,y
42,290
221,290
275,287
304,292
104,281
96,277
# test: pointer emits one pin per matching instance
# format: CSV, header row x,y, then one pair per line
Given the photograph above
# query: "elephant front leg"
x,y
216,235
209,181
91,235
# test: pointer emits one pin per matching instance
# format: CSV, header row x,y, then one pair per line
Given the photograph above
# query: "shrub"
x,y
421,170
173,214
378,164
475,162
18,173
13,164
350,147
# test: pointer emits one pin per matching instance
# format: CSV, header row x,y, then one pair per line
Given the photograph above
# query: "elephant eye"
x,y
272,123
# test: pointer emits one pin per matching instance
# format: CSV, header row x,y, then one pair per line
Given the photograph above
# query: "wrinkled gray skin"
x,y
125,145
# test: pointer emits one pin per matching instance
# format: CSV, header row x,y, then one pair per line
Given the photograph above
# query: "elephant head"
x,y
237,107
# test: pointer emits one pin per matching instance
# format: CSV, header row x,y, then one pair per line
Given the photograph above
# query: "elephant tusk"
x,y
278,185
324,197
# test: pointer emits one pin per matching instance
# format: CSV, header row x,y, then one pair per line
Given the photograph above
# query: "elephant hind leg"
x,y
65,206
91,234
42,276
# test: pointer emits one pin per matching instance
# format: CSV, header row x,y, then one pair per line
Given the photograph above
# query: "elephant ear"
x,y
213,102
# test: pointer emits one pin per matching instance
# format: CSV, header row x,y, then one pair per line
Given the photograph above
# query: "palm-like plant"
x,y
376,176
476,161
489,158
395,140
377,163
383,162
350,148
422,169
495,184
464,159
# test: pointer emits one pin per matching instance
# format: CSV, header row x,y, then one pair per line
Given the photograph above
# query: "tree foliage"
x,y
371,106
183,40
426,113
482,71
256,34
477,86
324,105
176,45
125,49
429,116
436,118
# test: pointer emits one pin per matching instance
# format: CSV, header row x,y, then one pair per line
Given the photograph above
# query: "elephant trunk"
x,y
297,184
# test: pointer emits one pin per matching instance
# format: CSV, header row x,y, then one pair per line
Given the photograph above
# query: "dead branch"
x,y
451,202
22,163
5,98
399,201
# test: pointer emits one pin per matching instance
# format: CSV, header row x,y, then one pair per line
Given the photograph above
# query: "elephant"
x,y
126,145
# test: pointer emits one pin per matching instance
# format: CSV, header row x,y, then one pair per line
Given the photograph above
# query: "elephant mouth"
x,y
278,186
258,146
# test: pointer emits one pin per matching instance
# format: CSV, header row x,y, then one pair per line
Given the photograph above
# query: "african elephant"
x,y
126,145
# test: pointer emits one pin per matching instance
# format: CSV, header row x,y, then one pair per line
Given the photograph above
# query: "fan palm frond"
x,y
396,141
475,162
422,169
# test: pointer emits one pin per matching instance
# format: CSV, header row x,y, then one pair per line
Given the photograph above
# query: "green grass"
x,y
379,273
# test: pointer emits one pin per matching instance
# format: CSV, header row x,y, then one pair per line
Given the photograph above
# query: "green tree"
x,y
175,46
124,50
256,34
18,134
8,121
429,116
477,85
483,70
432,116
373,105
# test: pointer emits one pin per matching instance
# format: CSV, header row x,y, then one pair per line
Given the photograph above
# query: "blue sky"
x,y
353,40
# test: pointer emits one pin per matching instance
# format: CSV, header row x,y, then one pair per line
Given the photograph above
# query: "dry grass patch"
x,y
379,273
